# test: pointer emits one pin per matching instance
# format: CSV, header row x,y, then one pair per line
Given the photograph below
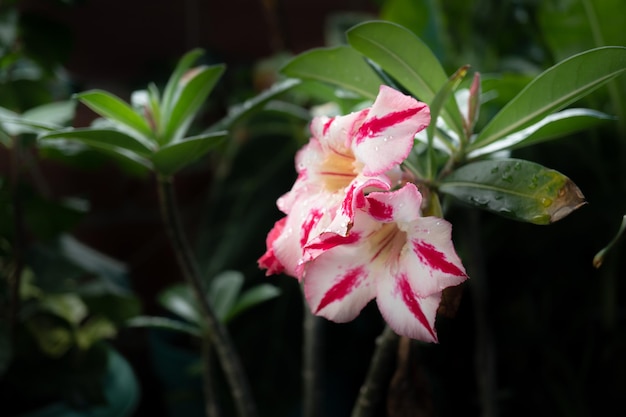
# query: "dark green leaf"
x,y
173,83
179,300
164,323
251,298
112,108
340,66
105,137
517,189
175,156
223,292
191,92
241,111
554,89
407,59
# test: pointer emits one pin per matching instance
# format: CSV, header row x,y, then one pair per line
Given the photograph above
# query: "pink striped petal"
x,y
386,136
404,311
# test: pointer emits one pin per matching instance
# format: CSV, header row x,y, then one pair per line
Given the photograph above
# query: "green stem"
x,y
210,401
378,375
219,336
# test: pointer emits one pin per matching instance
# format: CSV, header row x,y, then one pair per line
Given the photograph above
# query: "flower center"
x,y
387,242
338,169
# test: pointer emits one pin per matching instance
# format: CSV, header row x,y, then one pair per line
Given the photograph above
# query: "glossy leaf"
x,y
224,291
516,189
554,89
341,66
105,137
175,156
192,91
114,109
166,324
408,60
179,300
550,127
42,118
251,298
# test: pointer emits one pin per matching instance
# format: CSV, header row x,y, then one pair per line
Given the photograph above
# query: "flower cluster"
x,y
353,229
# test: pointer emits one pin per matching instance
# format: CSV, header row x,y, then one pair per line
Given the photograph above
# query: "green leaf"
x,y
54,337
551,127
341,66
435,108
554,89
105,137
407,59
179,300
223,292
248,107
175,156
164,323
251,298
57,113
517,189
173,83
94,330
192,91
116,110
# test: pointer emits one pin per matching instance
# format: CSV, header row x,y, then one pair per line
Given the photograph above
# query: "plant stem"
x,y
311,371
210,402
378,375
220,338
19,230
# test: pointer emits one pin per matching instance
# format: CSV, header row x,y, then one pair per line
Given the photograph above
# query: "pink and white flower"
x,y
391,254
346,157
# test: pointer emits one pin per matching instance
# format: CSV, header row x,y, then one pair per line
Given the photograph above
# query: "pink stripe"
x,y
347,283
333,240
380,210
409,298
327,126
310,222
376,125
435,259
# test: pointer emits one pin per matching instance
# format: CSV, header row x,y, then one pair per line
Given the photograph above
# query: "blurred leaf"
x,y
68,306
56,113
164,323
554,89
175,156
192,91
553,126
223,292
408,60
248,107
104,137
53,336
424,18
179,300
116,110
516,189
250,298
570,27
94,330
172,87
598,259
341,66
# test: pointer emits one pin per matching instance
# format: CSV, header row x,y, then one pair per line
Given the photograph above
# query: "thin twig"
x,y
220,338
311,370
378,375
